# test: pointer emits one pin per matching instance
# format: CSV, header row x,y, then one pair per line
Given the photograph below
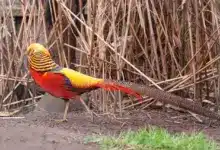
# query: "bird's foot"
x,y
60,120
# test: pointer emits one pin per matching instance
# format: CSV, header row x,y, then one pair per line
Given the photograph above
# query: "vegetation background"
x,y
172,45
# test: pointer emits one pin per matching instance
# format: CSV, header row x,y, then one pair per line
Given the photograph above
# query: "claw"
x,y
64,115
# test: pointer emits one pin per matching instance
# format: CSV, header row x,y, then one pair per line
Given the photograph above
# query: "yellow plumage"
x,y
78,79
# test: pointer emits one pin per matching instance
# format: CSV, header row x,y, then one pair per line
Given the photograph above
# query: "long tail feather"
x,y
171,99
111,85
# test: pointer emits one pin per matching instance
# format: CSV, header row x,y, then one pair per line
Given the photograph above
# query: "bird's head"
x,y
39,58
35,48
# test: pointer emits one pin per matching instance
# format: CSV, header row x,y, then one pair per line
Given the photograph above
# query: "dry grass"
x,y
172,45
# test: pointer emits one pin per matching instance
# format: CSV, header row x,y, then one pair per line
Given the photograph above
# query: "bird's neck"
x,y
42,64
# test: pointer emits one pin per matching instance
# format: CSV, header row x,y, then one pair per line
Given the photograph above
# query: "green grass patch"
x,y
154,139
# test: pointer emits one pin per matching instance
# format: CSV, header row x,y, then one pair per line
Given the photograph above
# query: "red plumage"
x,y
114,86
52,83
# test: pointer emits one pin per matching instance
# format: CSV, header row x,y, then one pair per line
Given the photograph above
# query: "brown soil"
x,y
38,130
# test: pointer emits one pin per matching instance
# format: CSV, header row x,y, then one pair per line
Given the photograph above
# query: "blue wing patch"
x,y
68,84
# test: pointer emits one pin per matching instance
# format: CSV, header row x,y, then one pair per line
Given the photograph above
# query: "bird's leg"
x,y
65,112
87,108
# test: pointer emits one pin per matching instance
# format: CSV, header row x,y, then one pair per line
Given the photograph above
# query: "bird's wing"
x,y
77,81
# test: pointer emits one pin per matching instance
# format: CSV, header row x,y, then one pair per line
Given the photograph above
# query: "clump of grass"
x,y
154,139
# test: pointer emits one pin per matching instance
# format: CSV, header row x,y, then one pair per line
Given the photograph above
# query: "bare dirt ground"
x,y
38,130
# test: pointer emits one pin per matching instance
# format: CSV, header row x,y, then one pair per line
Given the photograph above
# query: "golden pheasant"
x,y
63,82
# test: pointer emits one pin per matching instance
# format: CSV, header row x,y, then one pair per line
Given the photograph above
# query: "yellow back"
x,y
78,79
